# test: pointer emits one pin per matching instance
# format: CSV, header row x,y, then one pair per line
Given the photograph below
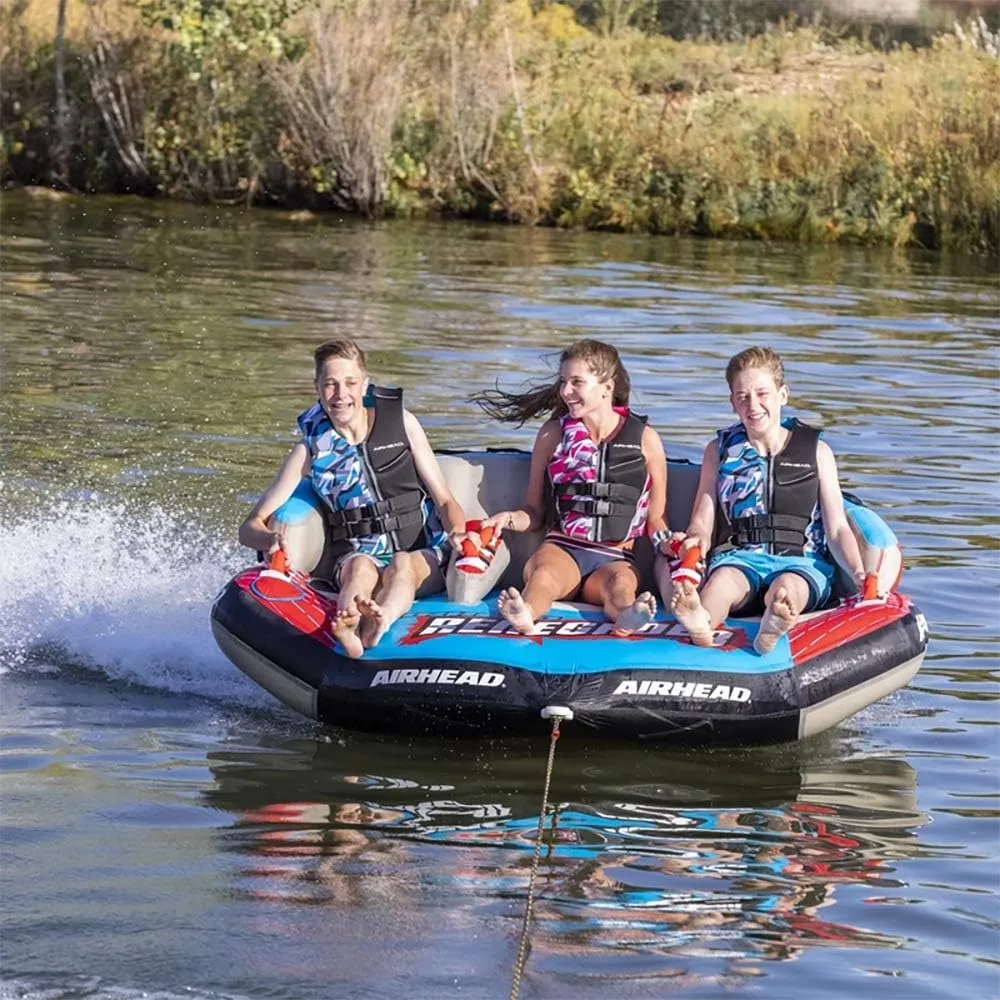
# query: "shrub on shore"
x,y
499,110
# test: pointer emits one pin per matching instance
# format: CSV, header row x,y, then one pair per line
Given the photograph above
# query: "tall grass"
x,y
506,110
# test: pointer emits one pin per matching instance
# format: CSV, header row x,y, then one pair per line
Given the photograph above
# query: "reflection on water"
x,y
622,879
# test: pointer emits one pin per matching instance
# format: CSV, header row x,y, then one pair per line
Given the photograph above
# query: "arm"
x,y
532,515
254,531
702,525
840,538
429,470
656,467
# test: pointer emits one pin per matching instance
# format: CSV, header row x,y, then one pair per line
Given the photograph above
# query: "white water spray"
x,y
118,589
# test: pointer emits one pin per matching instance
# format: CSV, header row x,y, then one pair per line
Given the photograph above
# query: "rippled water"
x,y
170,831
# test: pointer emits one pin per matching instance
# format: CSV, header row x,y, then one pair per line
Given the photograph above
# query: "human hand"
x,y
276,537
692,553
690,542
277,554
869,588
671,545
503,521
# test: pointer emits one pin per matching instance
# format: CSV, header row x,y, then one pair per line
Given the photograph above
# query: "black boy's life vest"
x,y
790,492
388,467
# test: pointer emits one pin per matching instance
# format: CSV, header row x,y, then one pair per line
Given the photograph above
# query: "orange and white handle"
x,y
686,568
478,547
277,565
279,562
871,562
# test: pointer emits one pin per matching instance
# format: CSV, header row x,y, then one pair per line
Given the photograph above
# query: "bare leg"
x,y
726,589
783,603
514,608
661,570
613,586
344,629
358,576
549,575
400,582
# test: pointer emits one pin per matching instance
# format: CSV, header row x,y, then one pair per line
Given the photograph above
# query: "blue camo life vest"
x,y
376,503
769,503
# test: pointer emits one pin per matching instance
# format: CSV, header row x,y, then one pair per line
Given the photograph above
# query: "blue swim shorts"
x,y
761,569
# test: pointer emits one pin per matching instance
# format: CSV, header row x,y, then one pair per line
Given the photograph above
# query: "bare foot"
x,y
687,608
345,630
775,622
516,611
373,623
640,612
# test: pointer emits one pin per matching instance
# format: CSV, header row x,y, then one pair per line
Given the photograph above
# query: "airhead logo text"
x,y
683,690
476,678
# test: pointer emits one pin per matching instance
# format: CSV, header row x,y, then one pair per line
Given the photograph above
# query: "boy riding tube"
x,y
769,509
384,497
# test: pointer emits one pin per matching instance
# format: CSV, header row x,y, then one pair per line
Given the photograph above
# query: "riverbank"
x,y
495,111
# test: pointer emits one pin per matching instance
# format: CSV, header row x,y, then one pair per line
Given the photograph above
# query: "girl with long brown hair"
x,y
598,477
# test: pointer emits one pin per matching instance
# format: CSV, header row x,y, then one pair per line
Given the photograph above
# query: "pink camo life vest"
x,y
600,492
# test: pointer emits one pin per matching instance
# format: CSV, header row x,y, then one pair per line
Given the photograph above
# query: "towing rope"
x,y
557,715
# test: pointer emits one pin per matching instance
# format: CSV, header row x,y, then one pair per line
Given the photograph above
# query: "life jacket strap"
x,y
379,518
597,499
604,491
596,508
782,530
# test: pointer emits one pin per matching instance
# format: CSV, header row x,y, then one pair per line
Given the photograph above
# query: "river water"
x,y
171,831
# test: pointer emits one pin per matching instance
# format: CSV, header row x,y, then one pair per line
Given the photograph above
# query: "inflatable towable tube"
x,y
453,665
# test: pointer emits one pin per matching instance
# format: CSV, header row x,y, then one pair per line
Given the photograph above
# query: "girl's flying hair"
x,y
518,407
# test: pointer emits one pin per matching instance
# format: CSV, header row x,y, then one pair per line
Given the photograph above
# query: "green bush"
x,y
511,110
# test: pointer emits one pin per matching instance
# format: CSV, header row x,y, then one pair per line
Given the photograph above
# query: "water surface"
x,y
170,831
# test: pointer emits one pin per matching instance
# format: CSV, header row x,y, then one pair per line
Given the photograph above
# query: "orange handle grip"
x,y
691,558
278,562
469,547
870,590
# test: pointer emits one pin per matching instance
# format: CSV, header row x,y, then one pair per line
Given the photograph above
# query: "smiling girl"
x,y
769,507
370,462
598,476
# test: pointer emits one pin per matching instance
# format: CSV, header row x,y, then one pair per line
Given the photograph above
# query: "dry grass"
x,y
39,17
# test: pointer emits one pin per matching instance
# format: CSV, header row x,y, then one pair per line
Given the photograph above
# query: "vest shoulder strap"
x,y
387,440
797,462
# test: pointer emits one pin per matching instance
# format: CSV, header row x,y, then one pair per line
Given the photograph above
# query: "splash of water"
x,y
119,589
